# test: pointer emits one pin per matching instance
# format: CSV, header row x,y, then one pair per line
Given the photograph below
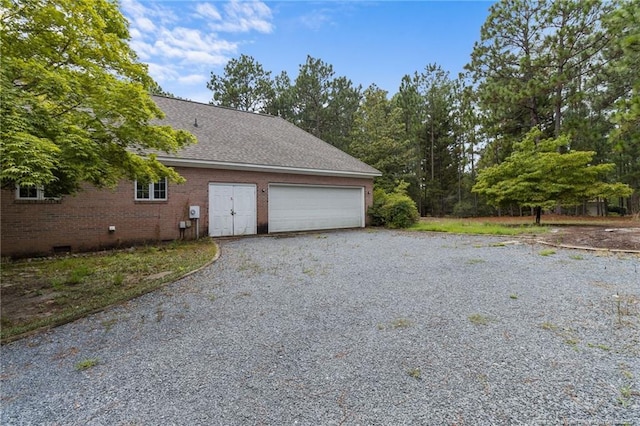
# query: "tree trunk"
x,y
538,214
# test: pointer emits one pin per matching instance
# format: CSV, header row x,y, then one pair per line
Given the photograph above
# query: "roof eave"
x,y
207,164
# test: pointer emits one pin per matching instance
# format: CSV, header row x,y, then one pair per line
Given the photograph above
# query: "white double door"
x,y
232,209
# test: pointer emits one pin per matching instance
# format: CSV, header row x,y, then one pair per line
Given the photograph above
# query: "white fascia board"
x,y
183,162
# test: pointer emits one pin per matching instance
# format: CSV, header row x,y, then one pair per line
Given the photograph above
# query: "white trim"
x,y
40,195
177,162
151,191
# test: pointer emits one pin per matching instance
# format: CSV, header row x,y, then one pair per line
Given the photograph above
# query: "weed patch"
x,y
398,323
53,291
86,364
415,373
479,319
401,323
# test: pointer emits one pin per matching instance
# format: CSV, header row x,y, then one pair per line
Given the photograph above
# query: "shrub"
x,y
393,210
463,209
616,209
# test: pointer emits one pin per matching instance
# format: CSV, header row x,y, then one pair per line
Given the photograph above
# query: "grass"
x,y
547,252
599,346
626,392
479,319
459,226
401,323
566,334
49,292
86,364
398,323
511,225
415,373
548,326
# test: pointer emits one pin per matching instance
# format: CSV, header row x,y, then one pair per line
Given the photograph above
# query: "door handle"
x,y
232,212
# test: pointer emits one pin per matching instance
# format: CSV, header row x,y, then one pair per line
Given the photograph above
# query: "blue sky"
x,y
365,41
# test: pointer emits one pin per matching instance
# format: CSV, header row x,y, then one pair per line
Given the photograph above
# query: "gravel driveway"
x,y
352,327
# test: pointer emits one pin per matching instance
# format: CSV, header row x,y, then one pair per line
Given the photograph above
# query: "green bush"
x,y
393,210
463,209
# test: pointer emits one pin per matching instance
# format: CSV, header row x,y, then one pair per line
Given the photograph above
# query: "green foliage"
x,y
624,56
74,102
325,105
378,138
86,364
428,109
539,173
245,85
393,209
463,209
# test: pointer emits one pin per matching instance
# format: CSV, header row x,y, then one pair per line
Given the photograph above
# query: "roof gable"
x,y
248,140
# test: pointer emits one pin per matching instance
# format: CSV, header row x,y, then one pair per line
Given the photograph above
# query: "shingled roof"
x,y
232,139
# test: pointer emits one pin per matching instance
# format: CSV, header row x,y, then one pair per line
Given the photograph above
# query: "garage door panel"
x,y
304,208
232,209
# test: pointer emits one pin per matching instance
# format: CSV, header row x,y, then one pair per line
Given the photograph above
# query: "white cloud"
x,y
316,19
162,73
193,79
198,95
207,10
243,17
144,24
182,46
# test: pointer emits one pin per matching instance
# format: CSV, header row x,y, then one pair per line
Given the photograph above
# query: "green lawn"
x,y
461,226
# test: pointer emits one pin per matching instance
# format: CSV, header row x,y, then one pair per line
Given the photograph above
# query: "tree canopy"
x,y
538,173
245,85
75,104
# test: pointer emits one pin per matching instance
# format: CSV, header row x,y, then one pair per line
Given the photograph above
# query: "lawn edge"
x,y
45,328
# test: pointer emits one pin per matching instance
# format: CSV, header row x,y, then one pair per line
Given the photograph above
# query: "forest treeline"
x,y
546,114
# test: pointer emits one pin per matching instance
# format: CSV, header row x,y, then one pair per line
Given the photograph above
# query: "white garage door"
x,y
305,208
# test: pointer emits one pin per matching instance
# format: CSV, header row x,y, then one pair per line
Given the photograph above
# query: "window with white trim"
x,y
34,193
155,191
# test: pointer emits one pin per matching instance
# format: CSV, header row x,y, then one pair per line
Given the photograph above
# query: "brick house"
x,y
248,174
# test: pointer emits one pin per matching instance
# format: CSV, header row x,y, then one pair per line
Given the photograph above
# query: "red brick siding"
x,y
82,221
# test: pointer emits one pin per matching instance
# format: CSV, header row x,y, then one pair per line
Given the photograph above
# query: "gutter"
x,y
182,162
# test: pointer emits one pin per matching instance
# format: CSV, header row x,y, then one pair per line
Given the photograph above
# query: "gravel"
x,y
351,327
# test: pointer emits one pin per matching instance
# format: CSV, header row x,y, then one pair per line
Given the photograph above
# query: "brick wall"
x,y
81,222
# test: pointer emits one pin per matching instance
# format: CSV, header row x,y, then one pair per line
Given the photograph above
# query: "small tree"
x,y
545,173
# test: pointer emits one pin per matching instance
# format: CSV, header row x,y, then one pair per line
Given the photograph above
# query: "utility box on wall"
x,y
194,212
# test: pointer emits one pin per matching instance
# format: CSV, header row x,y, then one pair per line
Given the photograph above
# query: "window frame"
x,y
153,187
41,194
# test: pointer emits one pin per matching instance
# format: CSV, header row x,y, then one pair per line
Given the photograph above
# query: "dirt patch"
x,y
614,233
624,238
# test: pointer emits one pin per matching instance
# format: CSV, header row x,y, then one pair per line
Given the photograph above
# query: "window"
x,y
152,191
34,193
